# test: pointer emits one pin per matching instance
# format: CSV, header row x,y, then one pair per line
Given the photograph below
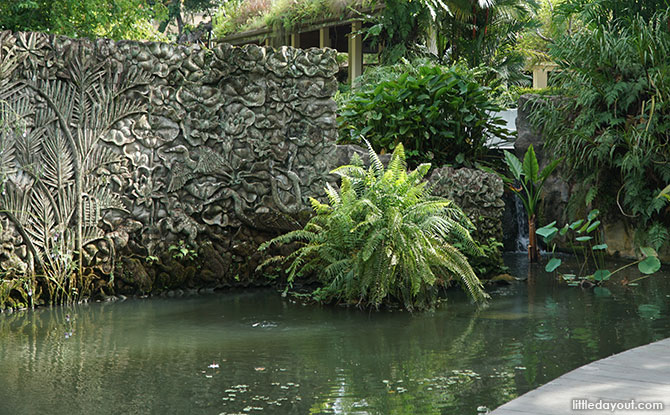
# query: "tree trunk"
x,y
180,21
533,250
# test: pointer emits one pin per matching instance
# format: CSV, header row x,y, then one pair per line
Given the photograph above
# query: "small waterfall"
x,y
521,225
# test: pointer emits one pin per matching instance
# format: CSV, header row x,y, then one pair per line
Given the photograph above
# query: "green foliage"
x,y
612,127
596,13
477,33
115,19
175,9
585,240
400,28
280,15
486,261
383,239
441,114
234,16
529,176
182,251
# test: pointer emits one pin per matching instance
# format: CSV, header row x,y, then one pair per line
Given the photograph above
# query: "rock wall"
x,y
177,160
480,195
556,192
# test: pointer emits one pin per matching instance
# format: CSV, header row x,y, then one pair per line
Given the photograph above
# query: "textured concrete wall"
x,y
479,194
138,152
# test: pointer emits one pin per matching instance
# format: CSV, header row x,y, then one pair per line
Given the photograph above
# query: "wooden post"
x,y
295,40
355,51
324,37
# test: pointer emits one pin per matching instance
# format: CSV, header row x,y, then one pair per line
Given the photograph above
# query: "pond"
x,y
255,352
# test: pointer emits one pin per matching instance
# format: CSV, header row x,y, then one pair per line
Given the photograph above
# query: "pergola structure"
x,y
342,35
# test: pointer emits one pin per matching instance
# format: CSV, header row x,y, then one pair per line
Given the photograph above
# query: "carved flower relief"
x,y
282,62
156,133
278,61
166,57
120,134
317,87
242,89
198,128
328,66
237,118
309,61
282,90
302,133
32,50
161,95
146,190
250,58
201,95
137,154
259,143
223,58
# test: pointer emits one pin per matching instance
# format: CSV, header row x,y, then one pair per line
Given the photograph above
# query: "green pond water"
x,y
255,352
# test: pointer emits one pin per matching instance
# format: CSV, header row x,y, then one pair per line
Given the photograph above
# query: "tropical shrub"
x,y
530,180
441,114
382,239
612,127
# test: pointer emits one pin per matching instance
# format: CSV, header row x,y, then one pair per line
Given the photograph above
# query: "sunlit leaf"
x,y
552,264
649,265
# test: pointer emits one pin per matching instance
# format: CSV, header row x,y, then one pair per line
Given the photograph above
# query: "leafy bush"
x,y
382,239
613,126
441,114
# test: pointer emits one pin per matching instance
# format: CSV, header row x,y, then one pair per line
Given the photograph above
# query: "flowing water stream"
x,y
253,352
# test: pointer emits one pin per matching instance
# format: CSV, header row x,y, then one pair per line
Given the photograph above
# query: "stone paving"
x,y
641,375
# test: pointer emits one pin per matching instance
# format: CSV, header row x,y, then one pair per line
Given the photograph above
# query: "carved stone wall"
x,y
176,159
480,195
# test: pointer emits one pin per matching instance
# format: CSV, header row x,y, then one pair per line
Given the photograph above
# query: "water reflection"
x,y
253,352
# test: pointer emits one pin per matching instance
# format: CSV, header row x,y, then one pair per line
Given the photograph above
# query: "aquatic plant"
x,y
584,237
531,181
382,238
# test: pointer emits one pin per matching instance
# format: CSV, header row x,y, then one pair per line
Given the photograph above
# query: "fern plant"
x,y
382,238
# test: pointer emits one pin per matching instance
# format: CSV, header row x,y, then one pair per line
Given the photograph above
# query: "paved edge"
x,y
641,374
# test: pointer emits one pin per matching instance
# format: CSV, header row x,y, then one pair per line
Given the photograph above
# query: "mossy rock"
x,y
133,273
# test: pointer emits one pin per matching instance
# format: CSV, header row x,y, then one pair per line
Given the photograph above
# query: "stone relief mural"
x,y
120,156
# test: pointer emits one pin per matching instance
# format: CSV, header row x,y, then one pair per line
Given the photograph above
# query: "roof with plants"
x,y
285,15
